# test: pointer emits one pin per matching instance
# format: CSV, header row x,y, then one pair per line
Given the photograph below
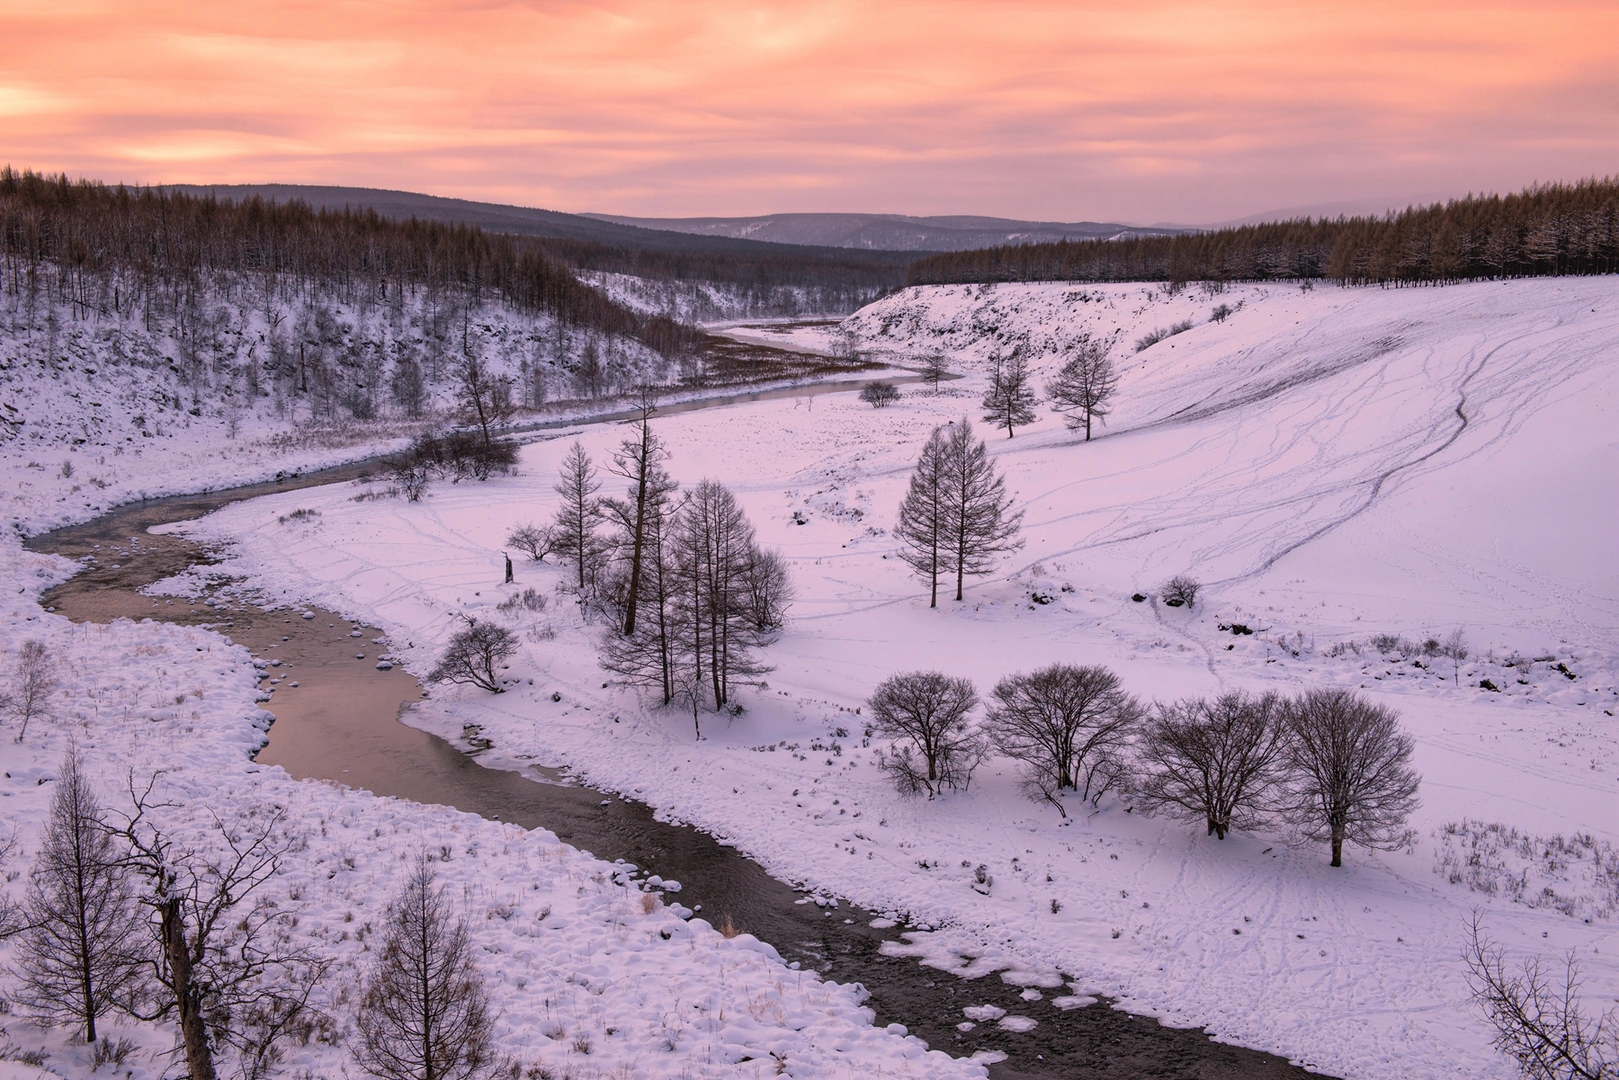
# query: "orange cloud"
x,y
1182,111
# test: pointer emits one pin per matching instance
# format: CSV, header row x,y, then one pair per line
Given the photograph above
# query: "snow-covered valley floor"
x,y
1334,465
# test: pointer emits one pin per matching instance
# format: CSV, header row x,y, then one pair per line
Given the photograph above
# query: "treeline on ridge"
x,y
100,248
1549,229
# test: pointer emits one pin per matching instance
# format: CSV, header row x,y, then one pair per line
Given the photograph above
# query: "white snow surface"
x,y
1305,459
1333,464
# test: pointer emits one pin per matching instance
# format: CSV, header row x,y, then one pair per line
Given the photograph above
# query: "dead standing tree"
x,y
227,977
79,954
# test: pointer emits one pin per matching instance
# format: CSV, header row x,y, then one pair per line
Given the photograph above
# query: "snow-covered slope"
x,y
1347,471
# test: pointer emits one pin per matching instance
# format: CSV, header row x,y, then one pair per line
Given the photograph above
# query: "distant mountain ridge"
x,y
889,232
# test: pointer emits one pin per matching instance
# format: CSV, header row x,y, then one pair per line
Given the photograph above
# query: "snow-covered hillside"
x,y
1347,471
236,388
717,301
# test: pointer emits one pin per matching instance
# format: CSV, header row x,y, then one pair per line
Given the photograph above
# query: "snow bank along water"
x,y
1344,470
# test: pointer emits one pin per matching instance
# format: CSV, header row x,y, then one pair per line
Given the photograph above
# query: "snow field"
x,y
589,973
1305,459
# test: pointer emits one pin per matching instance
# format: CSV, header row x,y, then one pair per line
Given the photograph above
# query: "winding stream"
x,y
332,725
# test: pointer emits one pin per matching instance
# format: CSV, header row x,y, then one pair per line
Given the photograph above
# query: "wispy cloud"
x,y
1032,109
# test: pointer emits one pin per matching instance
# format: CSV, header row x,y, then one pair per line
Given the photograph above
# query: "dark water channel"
x,y
340,723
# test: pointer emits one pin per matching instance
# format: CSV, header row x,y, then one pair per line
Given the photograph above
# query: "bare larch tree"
x,y
982,524
1009,401
1085,384
924,516
573,533
1214,759
1067,725
1349,774
80,952
926,714
640,461
425,1014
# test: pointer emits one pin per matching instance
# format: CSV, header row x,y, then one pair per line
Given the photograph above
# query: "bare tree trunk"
x,y
187,995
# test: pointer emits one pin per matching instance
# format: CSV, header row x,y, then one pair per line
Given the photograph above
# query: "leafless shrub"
x,y
925,713
1213,759
528,600
1571,874
1348,771
1539,1017
425,1014
879,393
474,656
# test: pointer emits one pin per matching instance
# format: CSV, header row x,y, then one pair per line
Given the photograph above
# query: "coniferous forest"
x,y
1550,229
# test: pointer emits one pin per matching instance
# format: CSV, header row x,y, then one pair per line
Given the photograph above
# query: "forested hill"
x,y
1544,230
838,277
99,248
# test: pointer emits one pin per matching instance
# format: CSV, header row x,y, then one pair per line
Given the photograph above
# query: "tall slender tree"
x,y
640,461
574,533
80,952
982,523
924,516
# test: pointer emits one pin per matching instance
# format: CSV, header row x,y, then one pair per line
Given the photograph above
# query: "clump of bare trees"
x,y
33,681
957,515
475,655
1348,771
425,1014
935,745
1009,401
1216,760
694,596
1068,725
1539,1015
1082,389
80,951
457,455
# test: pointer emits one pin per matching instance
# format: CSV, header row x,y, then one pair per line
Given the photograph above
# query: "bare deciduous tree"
x,y
486,398
640,461
1348,771
425,1014
924,516
925,713
982,524
1086,382
229,978
1455,649
1214,759
33,681
1067,725
474,655
79,953
1538,1014
1009,401
934,370
1181,590
574,531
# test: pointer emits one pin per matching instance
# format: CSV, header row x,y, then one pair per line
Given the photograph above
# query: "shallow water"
x,y
341,723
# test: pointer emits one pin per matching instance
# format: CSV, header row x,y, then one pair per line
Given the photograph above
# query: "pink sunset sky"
x,y
1146,112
